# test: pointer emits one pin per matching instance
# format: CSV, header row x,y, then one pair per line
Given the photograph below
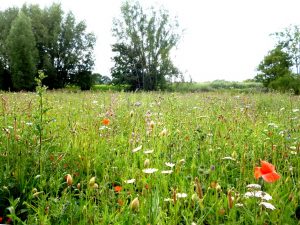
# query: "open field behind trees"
x,y
80,158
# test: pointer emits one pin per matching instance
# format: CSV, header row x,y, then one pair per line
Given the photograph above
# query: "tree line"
x,y
33,39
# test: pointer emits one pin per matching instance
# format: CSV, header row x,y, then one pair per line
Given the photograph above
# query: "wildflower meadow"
x,y
149,158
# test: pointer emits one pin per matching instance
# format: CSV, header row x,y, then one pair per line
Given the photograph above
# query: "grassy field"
x,y
148,158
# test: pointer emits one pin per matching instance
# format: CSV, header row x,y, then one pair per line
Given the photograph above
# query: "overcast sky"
x,y
222,39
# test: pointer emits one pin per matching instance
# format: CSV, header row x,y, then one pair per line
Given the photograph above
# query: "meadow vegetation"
x,y
148,158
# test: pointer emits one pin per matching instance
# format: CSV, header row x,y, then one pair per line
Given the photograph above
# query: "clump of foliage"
x,y
51,41
142,51
279,69
286,83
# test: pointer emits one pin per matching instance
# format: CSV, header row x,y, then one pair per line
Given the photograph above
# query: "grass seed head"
x,y
92,181
146,163
69,179
135,204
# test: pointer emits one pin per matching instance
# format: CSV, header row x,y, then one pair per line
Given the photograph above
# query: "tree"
x,y
64,49
100,79
6,19
274,65
289,41
22,53
142,51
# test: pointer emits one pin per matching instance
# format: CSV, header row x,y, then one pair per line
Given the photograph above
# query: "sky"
x,y
222,40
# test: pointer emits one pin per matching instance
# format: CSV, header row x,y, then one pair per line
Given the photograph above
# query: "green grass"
x,y
38,148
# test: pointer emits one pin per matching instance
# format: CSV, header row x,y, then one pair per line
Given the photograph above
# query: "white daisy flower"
x,y
258,194
181,195
267,205
137,149
254,186
170,164
131,181
150,170
167,171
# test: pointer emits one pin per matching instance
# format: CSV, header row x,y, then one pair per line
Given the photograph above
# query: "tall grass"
x,y
96,147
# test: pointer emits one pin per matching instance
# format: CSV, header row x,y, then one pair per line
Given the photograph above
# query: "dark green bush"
x,y
286,83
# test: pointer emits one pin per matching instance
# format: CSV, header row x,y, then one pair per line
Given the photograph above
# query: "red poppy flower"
x,y
118,188
266,171
105,121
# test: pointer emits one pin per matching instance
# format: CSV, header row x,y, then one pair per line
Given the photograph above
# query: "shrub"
x,y
286,83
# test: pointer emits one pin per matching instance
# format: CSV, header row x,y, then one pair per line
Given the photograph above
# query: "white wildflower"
x,y
137,149
181,195
170,164
148,151
258,194
131,181
254,186
239,205
150,170
267,205
295,110
167,171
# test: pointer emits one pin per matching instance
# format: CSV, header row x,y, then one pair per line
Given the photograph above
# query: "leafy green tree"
x,y
65,48
100,79
274,65
289,41
6,19
46,26
22,53
142,51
